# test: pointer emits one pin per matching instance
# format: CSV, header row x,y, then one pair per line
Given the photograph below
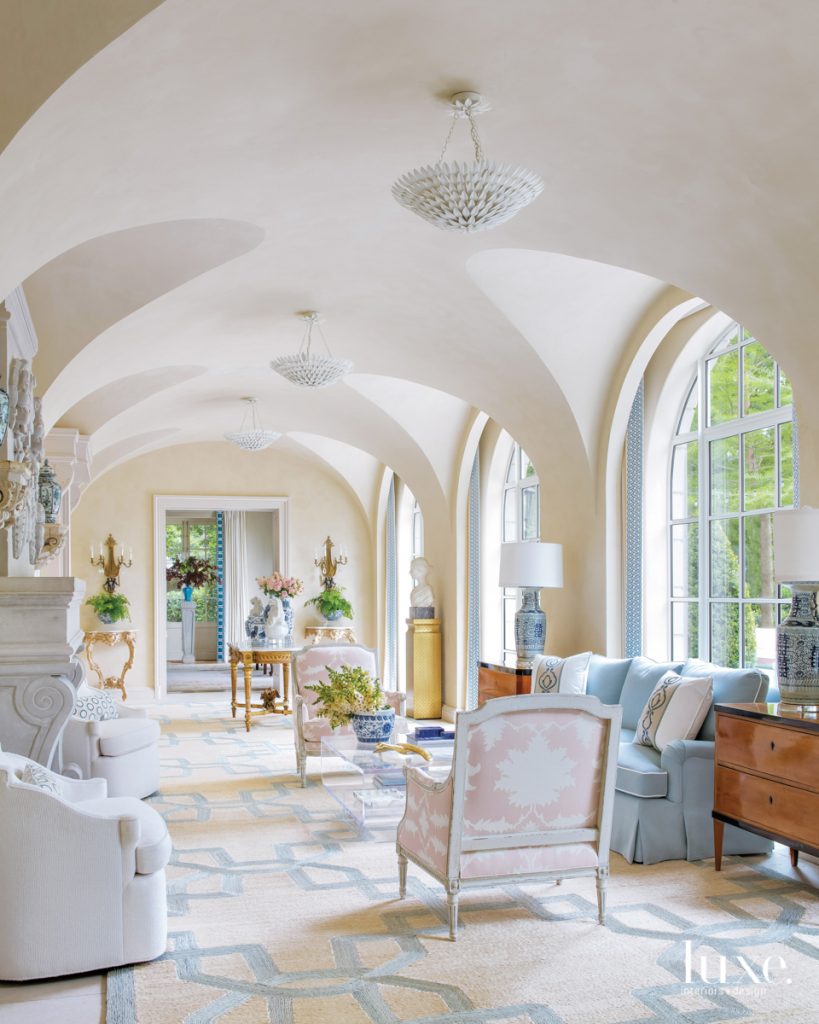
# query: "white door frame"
x,y
164,503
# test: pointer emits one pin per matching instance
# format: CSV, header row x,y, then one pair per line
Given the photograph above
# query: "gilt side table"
x,y
111,638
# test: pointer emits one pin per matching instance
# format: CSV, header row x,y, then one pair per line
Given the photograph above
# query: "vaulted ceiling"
x,y
182,177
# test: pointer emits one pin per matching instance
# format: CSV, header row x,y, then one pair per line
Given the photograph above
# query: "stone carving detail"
x,y
34,712
27,435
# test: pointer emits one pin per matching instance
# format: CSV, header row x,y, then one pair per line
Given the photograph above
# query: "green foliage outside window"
x,y
744,469
197,538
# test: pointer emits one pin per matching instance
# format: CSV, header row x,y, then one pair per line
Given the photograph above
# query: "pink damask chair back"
x,y
310,667
530,795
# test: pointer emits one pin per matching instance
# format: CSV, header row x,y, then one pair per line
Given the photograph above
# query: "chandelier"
x,y
310,369
255,438
467,197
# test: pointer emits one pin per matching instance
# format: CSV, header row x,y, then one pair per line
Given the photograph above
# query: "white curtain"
x,y
237,583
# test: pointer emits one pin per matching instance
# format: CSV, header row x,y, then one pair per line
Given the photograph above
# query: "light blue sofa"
x,y
663,802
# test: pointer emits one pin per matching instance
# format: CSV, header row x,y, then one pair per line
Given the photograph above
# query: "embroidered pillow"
x,y
675,710
42,778
95,707
560,675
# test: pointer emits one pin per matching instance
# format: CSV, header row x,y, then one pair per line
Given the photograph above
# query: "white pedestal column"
x,y
188,631
40,636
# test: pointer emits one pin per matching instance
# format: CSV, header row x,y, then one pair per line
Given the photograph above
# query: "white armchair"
x,y
529,796
124,751
310,667
82,877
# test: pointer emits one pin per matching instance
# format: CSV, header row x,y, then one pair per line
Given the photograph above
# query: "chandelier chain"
x,y
473,131
476,140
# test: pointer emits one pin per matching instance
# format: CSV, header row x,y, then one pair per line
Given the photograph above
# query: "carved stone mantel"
x,y
40,636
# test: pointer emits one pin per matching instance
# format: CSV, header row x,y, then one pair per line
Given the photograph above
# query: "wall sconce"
x,y
328,566
111,562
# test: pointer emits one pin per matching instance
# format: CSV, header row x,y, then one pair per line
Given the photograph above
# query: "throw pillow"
x,y
560,675
675,710
42,778
95,707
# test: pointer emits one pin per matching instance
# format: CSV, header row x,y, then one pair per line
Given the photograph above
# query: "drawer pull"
x,y
773,745
770,799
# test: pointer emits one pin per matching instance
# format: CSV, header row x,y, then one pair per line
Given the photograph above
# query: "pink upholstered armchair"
x,y
310,667
529,796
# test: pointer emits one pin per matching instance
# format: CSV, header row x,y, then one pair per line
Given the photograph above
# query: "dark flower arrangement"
x,y
191,572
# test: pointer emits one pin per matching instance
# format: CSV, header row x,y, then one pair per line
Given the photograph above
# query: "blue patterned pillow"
x,y
95,707
42,778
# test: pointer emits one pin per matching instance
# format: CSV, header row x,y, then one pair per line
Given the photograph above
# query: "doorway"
x,y
243,537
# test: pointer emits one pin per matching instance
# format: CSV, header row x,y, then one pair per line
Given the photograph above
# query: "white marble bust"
x,y
422,596
256,607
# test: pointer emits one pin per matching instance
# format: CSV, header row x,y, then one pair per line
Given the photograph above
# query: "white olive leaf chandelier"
x,y
467,197
252,438
309,369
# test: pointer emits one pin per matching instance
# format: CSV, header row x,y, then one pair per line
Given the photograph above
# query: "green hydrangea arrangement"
x,y
351,691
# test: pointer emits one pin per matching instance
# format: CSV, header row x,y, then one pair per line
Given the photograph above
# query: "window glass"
x,y
727,539
521,521
530,513
685,480
723,387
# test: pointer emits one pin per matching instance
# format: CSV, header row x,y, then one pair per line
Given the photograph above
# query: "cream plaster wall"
x,y
121,501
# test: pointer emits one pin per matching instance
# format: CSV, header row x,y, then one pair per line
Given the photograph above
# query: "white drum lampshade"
x,y
530,565
796,562
796,545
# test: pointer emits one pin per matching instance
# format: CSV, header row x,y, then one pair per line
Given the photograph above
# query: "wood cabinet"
x,y
766,775
495,679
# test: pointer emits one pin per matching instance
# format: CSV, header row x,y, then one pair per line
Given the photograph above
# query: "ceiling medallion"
x,y
467,197
254,439
309,369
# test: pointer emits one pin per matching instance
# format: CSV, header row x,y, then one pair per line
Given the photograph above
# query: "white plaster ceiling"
x,y
215,168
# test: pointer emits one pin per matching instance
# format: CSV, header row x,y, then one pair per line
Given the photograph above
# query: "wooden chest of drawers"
x,y
498,680
766,775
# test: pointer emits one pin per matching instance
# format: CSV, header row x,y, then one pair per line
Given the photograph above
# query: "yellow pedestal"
x,y
424,668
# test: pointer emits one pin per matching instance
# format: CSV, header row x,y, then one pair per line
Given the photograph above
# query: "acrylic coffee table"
x,y
369,786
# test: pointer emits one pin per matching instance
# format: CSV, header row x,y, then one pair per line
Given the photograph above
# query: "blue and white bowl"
x,y
374,727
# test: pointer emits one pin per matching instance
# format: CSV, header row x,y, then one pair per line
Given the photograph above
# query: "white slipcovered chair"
x,y
82,876
309,668
529,796
124,751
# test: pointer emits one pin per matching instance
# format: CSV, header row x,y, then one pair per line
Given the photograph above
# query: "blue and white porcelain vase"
x,y
374,726
530,627
287,607
4,414
49,492
797,649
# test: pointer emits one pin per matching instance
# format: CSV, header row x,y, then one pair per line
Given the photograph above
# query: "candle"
x,y
92,552
130,554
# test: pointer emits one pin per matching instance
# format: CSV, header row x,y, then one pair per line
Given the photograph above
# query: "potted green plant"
x,y
191,572
332,604
352,695
110,608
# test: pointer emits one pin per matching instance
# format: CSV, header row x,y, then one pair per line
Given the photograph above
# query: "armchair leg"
x,y
452,905
301,767
402,874
602,883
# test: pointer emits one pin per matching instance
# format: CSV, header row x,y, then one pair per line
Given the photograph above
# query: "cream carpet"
x,y
281,912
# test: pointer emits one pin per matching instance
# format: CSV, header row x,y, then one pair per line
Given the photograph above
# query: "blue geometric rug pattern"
x,y
281,911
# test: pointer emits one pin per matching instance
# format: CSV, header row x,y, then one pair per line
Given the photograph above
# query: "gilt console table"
x,y
329,635
247,656
111,638
765,777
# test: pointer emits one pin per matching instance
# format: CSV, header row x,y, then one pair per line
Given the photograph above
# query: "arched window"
x,y
417,529
521,521
731,467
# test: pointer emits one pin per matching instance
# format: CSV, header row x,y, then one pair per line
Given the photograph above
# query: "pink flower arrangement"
x,y
280,586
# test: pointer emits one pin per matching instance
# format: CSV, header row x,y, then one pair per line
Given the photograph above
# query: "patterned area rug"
x,y
281,912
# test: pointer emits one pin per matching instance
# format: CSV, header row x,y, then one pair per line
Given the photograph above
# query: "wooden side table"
x,y
329,635
765,777
497,679
110,638
247,656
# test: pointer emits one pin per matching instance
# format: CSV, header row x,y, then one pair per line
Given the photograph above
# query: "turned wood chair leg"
x,y
452,906
402,875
